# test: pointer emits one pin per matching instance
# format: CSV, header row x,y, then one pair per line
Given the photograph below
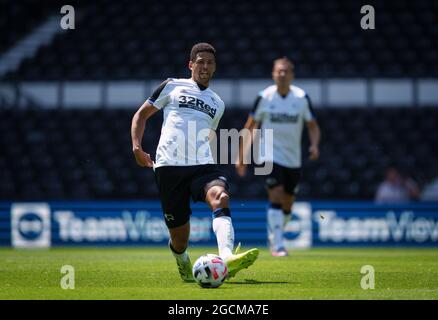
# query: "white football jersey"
x,y
190,113
286,117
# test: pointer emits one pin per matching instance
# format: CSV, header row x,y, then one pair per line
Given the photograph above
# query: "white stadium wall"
x,y
235,93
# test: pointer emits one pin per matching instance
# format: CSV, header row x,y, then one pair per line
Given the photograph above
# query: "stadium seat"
x,y
86,154
117,42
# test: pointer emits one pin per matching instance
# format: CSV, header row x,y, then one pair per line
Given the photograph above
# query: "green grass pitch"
x,y
151,273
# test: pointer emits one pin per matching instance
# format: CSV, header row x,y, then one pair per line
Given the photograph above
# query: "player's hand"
x,y
143,159
314,153
241,169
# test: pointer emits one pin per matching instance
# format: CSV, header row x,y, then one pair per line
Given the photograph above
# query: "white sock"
x,y
275,219
224,231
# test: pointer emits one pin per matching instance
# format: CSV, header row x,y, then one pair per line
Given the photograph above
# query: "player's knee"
x,y
221,200
224,198
218,197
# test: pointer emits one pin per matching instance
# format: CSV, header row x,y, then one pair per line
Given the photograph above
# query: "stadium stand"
x,y
86,154
20,18
139,40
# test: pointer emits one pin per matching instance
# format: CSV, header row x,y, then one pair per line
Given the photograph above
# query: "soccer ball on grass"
x,y
210,271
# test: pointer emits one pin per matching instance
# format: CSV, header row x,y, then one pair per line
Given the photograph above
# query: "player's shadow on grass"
x,y
251,281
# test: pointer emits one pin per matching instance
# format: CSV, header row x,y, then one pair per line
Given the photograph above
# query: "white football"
x,y
210,271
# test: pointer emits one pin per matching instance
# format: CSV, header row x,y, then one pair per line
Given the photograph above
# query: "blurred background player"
x,y
187,174
284,108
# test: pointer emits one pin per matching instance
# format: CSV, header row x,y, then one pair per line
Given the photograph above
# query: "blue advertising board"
x,y
362,223
315,223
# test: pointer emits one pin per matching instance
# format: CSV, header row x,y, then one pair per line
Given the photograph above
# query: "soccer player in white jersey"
x,y
184,167
285,109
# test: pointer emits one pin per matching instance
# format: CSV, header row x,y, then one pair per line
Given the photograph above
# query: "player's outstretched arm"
x,y
137,129
245,145
315,138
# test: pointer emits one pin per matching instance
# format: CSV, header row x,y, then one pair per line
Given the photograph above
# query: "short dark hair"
x,y
284,60
201,47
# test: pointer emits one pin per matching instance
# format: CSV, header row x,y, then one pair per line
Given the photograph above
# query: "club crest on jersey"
x,y
196,104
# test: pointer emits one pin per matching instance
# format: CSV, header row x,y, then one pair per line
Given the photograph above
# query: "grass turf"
x,y
151,273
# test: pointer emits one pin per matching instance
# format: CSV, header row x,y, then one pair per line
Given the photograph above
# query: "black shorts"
x,y
177,184
287,177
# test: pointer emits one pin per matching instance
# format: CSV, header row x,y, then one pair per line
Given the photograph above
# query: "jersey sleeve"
x,y
161,95
257,109
309,115
218,117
